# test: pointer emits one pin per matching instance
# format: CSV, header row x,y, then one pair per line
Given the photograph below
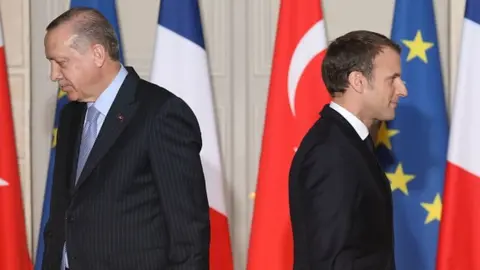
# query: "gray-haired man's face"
x,y
73,68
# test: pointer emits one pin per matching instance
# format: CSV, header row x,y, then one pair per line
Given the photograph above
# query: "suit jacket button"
x,y
70,218
48,234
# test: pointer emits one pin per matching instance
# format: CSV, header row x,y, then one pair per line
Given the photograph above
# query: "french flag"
x,y
460,225
180,64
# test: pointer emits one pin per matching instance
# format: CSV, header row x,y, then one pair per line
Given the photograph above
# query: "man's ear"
x,y
99,54
357,81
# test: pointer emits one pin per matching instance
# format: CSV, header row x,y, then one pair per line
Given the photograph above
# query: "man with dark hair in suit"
x,y
128,188
340,199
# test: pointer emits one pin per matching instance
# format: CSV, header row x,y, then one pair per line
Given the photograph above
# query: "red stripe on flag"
x,y
459,229
220,248
13,241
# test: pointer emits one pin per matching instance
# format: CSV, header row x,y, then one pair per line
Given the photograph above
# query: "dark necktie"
x,y
370,144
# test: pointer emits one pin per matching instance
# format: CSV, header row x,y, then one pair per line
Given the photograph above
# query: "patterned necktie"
x,y
88,138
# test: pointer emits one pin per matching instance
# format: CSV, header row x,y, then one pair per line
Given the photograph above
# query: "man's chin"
x,y
72,96
388,117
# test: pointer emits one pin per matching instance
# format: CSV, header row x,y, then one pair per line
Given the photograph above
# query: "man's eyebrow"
x,y
50,58
394,76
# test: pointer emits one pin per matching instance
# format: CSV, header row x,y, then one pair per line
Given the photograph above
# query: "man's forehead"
x,y
386,65
60,33
387,56
58,43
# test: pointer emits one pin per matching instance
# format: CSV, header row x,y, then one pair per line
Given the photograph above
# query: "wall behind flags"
x,y
239,37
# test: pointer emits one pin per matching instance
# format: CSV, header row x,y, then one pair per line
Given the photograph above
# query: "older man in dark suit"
x,y
128,188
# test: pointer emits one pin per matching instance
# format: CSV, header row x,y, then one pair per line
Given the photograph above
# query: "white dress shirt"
x,y
356,123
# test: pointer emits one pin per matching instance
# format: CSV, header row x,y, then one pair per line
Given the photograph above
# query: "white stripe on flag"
x,y
464,148
191,82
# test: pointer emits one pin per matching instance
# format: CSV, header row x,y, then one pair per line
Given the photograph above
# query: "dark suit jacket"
x,y
340,201
140,202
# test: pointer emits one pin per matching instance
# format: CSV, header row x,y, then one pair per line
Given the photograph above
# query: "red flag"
x,y
296,96
13,241
459,239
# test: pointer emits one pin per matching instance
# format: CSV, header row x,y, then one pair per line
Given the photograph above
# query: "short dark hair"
x,y
354,51
91,26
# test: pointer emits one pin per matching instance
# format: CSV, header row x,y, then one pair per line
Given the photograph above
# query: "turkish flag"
x,y
13,241
296,96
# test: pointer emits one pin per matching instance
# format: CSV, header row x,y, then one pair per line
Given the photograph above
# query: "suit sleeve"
x,y
59,188
177,168
330,192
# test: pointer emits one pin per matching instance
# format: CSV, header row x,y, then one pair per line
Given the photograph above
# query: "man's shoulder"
x,y
157,99
158,95
154,97
323,133
324,142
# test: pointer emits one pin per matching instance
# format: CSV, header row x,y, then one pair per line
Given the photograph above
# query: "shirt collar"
x,y
356,123
105,100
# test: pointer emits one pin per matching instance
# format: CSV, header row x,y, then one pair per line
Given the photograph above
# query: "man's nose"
x,y
403,89
55,73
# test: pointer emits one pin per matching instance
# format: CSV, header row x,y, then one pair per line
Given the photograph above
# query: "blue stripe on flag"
x,y
108,9
183,18
472,10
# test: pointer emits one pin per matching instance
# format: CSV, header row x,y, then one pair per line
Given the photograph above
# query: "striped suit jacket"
x,y
140,202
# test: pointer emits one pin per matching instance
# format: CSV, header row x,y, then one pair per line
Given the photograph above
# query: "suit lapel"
x,y
75,136
352,135
118,117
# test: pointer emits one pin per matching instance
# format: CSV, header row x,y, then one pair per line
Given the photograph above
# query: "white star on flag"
x,y
3,183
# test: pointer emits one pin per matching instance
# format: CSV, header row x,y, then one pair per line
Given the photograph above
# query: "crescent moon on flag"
x,y
309,46
3,183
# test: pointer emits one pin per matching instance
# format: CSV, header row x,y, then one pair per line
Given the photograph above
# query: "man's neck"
x,y
108,74
355,109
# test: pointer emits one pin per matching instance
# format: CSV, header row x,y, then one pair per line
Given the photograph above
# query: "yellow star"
x,y
61,94
434,209
54,137
417,47
384,135
399,179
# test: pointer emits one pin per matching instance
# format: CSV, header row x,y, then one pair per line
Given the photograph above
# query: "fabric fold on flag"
x,y
180,65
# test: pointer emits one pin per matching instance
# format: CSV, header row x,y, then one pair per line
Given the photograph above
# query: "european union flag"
x,y
413,147
108,9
